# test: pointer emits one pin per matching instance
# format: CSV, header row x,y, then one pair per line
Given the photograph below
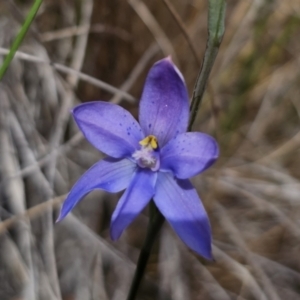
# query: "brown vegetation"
x,y
87,50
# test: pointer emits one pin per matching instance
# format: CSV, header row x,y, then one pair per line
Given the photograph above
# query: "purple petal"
x,y
164,106
108,174
109,127
189,154
179,202
133,201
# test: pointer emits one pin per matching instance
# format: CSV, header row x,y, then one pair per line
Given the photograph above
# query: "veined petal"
x,y
108,174
133,201
189,154
164,106
109,127
179,202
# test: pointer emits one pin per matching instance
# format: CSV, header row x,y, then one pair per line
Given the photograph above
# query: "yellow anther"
x,y
149,141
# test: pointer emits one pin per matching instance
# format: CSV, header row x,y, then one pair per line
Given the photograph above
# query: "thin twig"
x,y
15,195
234,235
241,272
137,70
146,16
84,29
183,29
42,185
63,113
31,213
96,82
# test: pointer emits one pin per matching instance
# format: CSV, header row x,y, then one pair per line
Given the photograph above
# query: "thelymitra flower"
x,y
152,159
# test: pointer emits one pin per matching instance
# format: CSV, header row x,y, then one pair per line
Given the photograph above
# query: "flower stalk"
x,y
216,28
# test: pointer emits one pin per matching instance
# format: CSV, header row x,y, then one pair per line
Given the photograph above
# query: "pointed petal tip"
x,y
113,232
205,252
72,110
169,60
188,218
59,219
209,256
114,236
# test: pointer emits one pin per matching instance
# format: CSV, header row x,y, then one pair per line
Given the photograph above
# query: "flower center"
x,y
148,155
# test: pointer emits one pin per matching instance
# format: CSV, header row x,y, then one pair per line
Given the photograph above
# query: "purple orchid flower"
x,y
153,159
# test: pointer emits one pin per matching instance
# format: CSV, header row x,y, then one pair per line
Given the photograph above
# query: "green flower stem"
x,y
17,42
155,224
216,28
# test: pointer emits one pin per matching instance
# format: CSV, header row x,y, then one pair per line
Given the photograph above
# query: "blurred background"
x,y
85,50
